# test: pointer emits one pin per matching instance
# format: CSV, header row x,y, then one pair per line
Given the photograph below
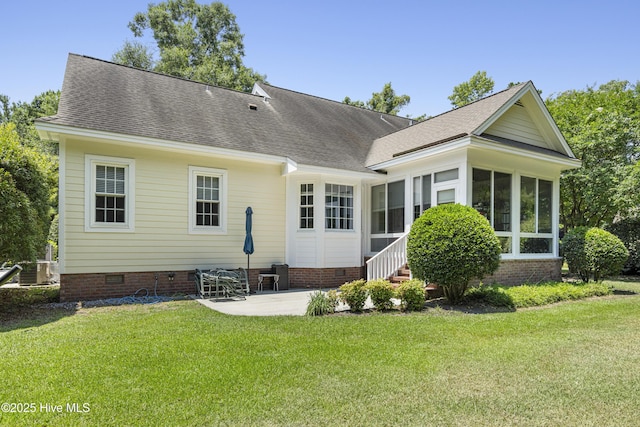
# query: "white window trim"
x,y
194,171
324,209
312,206
90,225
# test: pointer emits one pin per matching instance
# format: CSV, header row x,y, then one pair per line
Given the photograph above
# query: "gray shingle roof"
x,y
444,127
103,96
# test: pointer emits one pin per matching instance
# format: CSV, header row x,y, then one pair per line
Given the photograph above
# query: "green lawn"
x,y
179,363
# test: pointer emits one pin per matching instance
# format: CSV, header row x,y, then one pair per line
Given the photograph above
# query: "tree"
x,y
198,42
23,114
41,153
385,101
451,244
134,54
24,198
478,86
602,127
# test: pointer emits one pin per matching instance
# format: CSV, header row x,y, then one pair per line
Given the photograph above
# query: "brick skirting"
x,y
86,287
519,271
323,277
93,286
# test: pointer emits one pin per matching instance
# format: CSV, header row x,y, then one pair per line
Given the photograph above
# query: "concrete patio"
x,y
267,303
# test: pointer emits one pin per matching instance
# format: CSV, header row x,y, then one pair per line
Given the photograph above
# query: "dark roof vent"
x,y
253,107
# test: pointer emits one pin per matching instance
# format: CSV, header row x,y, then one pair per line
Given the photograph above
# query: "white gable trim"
x,y
527,88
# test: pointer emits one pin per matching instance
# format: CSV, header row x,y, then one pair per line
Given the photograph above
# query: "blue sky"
x,y
334,49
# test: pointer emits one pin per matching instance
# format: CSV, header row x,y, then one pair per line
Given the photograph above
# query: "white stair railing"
x,y
386,262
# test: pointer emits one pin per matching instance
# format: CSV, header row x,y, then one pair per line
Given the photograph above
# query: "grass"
x,y
179,363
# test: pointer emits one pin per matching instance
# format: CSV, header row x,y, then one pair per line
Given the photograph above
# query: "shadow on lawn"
x,y
31,316
30,306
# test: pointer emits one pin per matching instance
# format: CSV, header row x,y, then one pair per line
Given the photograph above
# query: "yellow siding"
x,y
161,239
517,125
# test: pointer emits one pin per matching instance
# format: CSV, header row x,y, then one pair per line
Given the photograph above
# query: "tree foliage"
x,y
134,54
29,177
386,101
194,41
477,87
24,198
451,244
602,127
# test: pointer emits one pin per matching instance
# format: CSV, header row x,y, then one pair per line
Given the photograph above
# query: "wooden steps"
x,y
403,274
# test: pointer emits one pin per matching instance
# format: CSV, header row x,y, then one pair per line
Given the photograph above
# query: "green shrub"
x,y
572,246
535,295
495,296
381,291
411,294
451,244
593,253
333,297
549,293
354,294
320,304
628,231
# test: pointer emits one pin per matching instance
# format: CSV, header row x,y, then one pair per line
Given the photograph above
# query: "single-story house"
x,y
156,173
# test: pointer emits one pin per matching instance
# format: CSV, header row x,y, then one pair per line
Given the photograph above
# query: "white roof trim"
x,y
425,152
487,144
257,90
53,131
528,87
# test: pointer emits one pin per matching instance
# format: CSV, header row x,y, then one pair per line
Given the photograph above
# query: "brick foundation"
x,y
85,287
519,271
323,277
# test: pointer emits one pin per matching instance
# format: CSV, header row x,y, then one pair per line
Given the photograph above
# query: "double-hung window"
x,y
110,193
306,206
338,207
207,200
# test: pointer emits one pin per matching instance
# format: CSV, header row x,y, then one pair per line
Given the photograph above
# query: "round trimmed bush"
x,y
594,253
451,244
412,295
354,294
381,291
574,254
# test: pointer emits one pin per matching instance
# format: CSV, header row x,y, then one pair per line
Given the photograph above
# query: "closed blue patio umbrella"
x,y
248,240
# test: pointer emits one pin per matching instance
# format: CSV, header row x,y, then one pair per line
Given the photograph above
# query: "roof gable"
x,y
516,114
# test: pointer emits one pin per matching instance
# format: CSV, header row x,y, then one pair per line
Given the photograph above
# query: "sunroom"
x,y
506,166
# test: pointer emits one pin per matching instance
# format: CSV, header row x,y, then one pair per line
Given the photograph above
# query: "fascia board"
x,y
421,154
55,132
485,144
321,170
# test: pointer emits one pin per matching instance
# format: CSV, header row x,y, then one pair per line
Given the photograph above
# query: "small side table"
x,y
275,278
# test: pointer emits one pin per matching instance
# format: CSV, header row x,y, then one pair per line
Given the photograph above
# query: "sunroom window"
x,y
491,196
536,206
